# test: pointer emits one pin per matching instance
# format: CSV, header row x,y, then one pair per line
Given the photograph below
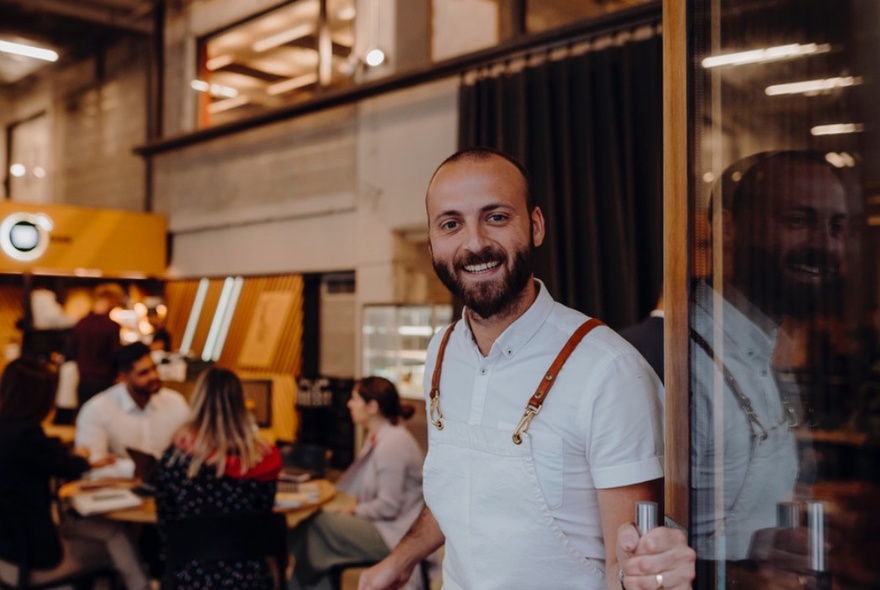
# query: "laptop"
x,y
144,466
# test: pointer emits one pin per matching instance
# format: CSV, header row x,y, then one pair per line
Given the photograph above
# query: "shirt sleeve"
x,y
91,432
390,464
47,456
625,421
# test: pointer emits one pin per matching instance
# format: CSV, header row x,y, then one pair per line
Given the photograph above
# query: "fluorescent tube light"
x,y
765,55
812,86
28,51
837,129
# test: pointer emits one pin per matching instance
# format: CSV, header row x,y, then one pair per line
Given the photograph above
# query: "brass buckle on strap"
x,y
523,426
436,414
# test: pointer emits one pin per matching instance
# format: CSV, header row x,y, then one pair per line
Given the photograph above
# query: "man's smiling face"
x,y
482,233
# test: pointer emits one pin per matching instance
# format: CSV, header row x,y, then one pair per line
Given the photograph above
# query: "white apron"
x,y
483,490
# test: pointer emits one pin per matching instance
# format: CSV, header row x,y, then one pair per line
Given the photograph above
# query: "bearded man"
x,y
136,413
532,469
784,232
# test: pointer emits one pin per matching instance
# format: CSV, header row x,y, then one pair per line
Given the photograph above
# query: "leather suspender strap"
x,y
537,399
540,396
436,414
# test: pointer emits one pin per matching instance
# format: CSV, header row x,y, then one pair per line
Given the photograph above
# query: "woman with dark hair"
x,y
27,460
386,480
218,464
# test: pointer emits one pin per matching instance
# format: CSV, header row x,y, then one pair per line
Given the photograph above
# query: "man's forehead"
x,y
143,363
496,173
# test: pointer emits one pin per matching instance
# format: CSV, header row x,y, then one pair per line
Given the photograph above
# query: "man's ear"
x,y
537,227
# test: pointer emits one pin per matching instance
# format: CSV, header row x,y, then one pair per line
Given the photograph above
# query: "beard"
x,y
775,288
488,298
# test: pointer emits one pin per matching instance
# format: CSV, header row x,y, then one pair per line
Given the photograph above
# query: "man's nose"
x,y
476,238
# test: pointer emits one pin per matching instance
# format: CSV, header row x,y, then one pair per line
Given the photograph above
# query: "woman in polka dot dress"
x,y
218,464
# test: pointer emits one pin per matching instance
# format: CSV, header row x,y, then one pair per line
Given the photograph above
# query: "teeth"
x,y
804,268
481,267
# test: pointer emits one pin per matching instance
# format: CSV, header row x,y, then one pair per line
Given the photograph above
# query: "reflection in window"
x,y
282,56
783,331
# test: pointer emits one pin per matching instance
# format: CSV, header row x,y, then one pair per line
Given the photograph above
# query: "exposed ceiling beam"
x,y
114,18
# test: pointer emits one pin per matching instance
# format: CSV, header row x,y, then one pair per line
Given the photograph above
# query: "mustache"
x,y
486,255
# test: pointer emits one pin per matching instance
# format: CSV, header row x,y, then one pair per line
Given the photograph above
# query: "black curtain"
x,y
589,129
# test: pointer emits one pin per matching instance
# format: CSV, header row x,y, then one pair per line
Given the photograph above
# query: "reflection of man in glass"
x,y
783,231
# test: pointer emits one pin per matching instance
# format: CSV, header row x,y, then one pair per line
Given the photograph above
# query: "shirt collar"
x,y
127,403
522,329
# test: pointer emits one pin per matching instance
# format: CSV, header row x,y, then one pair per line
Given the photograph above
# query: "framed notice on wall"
x,y
265,329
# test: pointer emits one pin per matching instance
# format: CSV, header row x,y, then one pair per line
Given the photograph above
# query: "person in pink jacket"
x,y
386,480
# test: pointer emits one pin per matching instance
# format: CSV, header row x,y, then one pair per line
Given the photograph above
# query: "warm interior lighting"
x,y
221,61
283,37
840,160
194,315
228,104
765,55
346,13
813,86
291,84
28,51
837,129
375,57
218,90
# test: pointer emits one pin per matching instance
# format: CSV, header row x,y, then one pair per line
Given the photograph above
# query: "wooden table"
x,y
146,512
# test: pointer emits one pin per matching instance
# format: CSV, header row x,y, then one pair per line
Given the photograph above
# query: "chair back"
x,y
230,536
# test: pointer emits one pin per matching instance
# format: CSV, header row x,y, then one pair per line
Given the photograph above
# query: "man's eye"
x,y
497,217
451,224
795,220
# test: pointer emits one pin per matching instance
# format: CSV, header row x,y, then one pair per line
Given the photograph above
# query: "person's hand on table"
x,y
659,559
96,464
103,462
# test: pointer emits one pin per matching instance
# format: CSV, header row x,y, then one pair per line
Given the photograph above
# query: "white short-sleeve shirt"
x,y
600,427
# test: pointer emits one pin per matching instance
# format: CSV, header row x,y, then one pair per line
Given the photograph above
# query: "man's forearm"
x,y
421,540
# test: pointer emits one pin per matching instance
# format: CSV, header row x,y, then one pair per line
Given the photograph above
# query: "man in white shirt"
x,y
528,500
135,413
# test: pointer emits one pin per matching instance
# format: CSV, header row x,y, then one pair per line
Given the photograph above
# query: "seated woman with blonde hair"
x,y
218,465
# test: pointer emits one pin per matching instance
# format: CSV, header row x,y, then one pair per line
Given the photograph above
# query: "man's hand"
x,y
385,575
661,556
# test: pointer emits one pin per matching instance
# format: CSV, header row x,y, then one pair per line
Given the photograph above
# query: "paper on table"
x,y
105,500
307,493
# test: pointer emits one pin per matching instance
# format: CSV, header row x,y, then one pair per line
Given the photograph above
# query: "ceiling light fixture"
x,y
374,56
286,36
227,104
28,51
812,87
217,90
291,84
220,61
837,129
765,55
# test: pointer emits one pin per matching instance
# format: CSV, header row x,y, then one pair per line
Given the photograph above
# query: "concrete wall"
x,y
97,112
339,190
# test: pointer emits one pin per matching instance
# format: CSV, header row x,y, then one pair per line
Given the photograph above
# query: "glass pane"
x,y
275,59
785,378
